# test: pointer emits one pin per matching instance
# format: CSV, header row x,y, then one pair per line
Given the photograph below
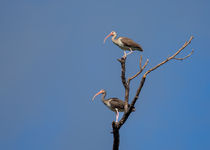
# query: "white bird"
x,y
113,104
124,43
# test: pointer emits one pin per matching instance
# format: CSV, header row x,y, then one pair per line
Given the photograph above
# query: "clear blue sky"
x,y
53,60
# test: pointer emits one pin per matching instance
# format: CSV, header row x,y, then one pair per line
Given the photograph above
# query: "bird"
x,y
124,43
113,104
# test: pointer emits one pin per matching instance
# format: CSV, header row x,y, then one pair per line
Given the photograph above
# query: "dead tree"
x,y
126,83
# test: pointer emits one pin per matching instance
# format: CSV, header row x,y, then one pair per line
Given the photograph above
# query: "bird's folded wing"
x,y
117,103
130,43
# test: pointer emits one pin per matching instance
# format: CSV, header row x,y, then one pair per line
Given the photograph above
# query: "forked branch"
x,y
126,84
172,57
140,71
157,66
185,56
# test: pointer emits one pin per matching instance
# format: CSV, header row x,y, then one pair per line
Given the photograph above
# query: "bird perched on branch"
x,y
113,104
124,43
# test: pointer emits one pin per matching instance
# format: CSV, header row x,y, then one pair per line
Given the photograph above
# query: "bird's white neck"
x,y
113,39
103,96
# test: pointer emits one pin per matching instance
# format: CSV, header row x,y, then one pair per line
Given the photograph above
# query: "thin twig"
x,y
185,56
140,61
140,71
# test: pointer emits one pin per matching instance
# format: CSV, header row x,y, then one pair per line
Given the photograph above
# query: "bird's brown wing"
x,y
117,103
130,43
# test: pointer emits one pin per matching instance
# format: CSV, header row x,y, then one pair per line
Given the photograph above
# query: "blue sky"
x,y
53,60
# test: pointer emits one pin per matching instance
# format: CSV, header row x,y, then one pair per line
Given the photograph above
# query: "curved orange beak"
x,y
107,37
101,91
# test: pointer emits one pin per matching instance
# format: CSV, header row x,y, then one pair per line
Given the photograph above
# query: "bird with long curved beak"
x,y
113,104
124,43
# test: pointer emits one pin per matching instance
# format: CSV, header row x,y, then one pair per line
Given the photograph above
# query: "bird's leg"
x,y
117,114
124,56
131,51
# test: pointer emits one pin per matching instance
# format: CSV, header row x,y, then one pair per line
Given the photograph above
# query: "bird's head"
x,y
110,34
113,33
100,92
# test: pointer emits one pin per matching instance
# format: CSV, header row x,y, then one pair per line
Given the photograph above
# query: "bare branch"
x,y
138,91
140,61
116,136
140,71
127,114
185,56
152,69
169,58
122,62
125,84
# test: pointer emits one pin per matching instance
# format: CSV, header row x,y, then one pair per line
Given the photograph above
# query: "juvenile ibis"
x,y
113,104
124,43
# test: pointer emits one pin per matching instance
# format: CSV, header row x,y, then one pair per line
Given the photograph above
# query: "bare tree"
x,y
126,83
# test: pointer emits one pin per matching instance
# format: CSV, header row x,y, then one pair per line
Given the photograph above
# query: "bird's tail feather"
x,y
140,49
